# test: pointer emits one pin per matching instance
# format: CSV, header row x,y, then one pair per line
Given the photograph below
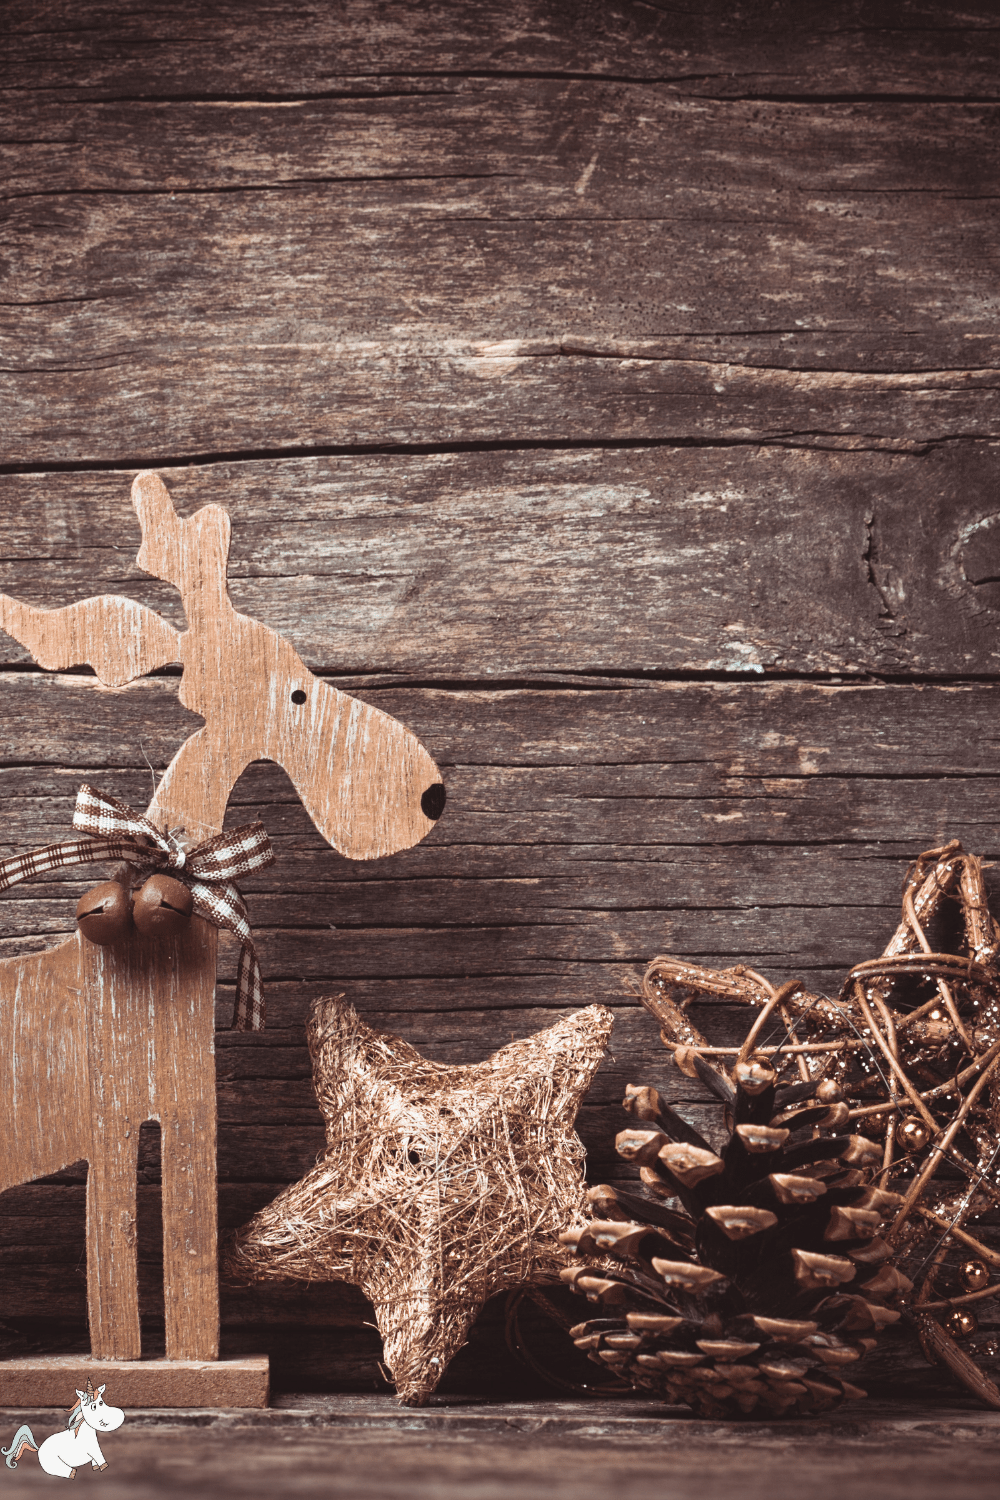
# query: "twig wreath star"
x,y
914,1040
440,1184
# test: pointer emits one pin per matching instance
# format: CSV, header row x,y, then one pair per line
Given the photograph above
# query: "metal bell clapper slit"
x,y
103,914
162,908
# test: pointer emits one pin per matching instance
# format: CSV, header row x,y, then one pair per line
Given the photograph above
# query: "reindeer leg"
x,y
112,1272
186,1108
116,1109
190,1227
115,1006
190,1239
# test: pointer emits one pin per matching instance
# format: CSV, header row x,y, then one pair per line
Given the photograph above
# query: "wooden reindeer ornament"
x,y
93,1041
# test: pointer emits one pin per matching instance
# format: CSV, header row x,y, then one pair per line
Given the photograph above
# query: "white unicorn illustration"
x,y
65,1452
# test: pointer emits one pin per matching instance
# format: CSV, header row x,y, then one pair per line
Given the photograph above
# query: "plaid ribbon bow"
x,y
115,831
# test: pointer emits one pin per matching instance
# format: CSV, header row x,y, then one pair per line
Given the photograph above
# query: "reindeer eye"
x,y
298,696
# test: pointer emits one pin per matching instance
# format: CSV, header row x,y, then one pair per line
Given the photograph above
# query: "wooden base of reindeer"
x,y
136,1384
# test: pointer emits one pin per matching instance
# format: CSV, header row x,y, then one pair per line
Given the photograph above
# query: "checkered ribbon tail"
x,y
115,831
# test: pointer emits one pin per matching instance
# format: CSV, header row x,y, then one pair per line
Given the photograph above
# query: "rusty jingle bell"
x,y
163,907
103,915
106,913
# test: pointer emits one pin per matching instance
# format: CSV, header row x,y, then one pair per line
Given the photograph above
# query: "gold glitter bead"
x,y
960,1324
975,1274
913,1134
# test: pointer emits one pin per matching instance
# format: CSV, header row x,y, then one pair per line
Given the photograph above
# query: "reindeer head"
x,y
366,782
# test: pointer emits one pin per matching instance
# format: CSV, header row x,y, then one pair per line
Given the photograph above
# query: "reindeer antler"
x,y
119,638
191,554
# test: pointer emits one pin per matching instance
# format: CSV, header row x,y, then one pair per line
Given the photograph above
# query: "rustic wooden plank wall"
x,y
607,390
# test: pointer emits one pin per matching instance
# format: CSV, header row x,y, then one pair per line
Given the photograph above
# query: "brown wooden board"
x,y
45,1380
366,1446
687,578
469,307
477,226
591,563
793,47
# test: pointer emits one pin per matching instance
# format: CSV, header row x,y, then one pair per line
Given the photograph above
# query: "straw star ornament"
x,y
440,1184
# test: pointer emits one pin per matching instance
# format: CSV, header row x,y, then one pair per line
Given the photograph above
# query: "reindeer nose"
x,y
432,802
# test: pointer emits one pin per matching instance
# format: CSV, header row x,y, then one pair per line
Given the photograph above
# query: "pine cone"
x,y
773,1281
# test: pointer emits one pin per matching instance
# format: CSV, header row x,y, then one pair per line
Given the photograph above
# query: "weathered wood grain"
x,y
520,146
281,49
497,340
473,566
42,1380
470,307
716,289
54,725
475,1449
